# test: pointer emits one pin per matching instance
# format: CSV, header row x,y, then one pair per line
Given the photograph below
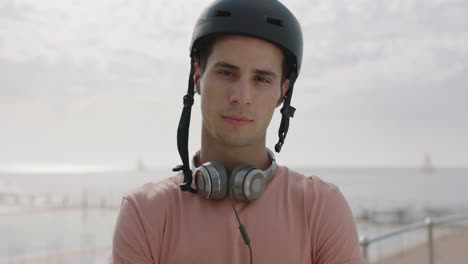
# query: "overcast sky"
x,y
101,82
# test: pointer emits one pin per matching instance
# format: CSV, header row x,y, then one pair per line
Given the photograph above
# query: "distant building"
x,y
140,165
427,166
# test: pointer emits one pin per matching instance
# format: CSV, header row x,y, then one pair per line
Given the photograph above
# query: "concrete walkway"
x,y
451,248
62,256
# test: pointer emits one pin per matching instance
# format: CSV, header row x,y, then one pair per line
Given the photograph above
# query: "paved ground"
x,y
451,248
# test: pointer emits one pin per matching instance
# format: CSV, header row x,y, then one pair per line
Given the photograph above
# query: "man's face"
x,y
240,87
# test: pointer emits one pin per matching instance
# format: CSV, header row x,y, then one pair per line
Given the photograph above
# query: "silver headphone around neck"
x,y
246,183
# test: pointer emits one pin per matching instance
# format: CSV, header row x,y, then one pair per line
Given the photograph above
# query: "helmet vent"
x,y
221,13
274,21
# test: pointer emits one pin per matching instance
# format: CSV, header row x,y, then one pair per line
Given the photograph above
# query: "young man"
x,y
246,55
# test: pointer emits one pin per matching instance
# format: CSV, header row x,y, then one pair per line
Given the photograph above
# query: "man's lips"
x,y
237,120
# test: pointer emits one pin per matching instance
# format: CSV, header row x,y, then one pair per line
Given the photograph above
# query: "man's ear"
x,y
196,77
284,89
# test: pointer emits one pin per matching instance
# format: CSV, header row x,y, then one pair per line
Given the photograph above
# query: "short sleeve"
x,y
337,239
130,242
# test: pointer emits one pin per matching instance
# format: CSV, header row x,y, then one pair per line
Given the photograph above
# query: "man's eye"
x,y
262,79
227,73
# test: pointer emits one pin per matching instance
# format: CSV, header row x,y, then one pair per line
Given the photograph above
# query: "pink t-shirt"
x,y
298,219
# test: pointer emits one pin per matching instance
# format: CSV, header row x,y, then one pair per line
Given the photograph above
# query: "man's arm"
x,y
130,243
337,239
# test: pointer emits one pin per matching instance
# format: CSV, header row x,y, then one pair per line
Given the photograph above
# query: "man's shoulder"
x,y
155,192
310,182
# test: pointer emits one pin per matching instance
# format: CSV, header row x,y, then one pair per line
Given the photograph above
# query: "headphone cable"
x,y
242,229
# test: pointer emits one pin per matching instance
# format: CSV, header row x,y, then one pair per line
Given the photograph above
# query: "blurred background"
x,y
91,93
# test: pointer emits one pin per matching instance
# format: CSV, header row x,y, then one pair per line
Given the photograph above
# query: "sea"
x,y
68,217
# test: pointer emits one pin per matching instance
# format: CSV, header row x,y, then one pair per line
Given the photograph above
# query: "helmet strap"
x,y
183,135
287,111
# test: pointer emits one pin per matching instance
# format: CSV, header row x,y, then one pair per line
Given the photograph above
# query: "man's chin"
x,y
237,140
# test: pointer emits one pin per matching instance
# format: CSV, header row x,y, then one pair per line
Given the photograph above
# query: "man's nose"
x,y
241,92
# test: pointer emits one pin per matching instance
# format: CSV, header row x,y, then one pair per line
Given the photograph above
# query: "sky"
x,y
101,83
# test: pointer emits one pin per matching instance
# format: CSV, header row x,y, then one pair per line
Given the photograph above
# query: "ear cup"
x,y
211,180
247,183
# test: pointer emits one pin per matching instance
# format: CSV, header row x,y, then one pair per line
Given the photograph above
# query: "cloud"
x,y
373,43
106,64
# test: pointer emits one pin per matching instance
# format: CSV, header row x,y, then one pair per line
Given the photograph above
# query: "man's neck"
x,y
233,156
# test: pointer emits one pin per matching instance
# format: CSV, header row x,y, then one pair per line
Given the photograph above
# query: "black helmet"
x,y
265,19
268,20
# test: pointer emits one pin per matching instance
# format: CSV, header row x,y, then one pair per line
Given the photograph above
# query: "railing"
x,y
428,223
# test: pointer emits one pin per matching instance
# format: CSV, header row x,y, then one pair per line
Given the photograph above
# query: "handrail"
x,y
429,223
392,233
450,219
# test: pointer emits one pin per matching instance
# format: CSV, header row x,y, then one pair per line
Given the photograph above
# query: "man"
x,y
246,55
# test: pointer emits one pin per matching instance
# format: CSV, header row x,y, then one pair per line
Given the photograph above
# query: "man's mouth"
x,y
237,120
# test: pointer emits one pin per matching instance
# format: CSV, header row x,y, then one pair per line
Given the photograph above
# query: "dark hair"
x,y
205,46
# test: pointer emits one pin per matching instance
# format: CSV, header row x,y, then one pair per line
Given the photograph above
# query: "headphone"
x,y
246,182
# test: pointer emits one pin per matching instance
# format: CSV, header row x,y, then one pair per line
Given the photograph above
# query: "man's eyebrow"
x,y
226,65
234,67
266,72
